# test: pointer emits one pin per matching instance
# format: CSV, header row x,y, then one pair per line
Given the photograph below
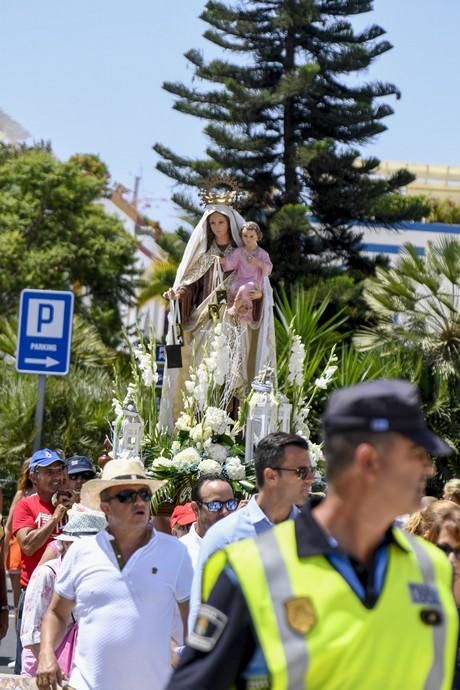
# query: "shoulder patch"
x,y
209,626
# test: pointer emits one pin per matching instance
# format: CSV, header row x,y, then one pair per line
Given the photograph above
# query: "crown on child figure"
x,y
220,189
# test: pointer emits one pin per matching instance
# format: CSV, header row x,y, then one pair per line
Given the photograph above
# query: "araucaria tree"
x,y
286,117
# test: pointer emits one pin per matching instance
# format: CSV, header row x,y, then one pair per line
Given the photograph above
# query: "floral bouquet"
x,y
205,440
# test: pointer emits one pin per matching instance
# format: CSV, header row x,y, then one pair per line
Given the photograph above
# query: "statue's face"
x,y
249,238
220,227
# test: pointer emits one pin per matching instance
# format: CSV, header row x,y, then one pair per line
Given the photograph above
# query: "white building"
x,y
151,315
388,241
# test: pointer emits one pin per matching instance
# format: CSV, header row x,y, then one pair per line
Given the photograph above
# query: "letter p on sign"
x,y
45,318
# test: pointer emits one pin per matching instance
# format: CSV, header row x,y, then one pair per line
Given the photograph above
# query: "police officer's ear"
x,y
368,461
195,507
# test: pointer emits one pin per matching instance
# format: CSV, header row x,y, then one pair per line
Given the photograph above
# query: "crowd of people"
x,y
285,590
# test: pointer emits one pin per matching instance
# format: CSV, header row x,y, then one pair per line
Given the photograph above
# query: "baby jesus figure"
x,y
251,264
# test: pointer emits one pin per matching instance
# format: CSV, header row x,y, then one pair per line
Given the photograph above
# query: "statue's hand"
x,y
169,294
255,293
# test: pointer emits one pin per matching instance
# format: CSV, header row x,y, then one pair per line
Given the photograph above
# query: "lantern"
x,y
262,416
127,437
284,414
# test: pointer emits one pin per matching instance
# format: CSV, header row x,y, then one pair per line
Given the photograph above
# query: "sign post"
x,y
44,339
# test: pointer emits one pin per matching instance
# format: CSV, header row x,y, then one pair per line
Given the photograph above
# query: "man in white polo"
x,y
123,586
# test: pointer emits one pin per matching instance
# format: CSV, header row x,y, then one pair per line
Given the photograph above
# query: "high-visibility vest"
x,y
315,632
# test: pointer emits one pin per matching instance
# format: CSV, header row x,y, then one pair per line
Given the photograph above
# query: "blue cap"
x,y
79,463
43,458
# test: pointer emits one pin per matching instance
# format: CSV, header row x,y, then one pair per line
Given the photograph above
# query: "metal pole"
x,y
39,412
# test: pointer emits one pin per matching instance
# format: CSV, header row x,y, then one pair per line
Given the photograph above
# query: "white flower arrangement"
x,y
204,436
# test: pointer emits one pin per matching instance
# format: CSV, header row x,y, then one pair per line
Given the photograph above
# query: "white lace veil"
x,y
196,246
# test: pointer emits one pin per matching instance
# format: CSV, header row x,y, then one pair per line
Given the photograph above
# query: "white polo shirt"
x,y
125,617
192,541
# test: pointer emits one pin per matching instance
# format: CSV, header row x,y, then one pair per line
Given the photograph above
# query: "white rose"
x,y
209,467
185,458
217,452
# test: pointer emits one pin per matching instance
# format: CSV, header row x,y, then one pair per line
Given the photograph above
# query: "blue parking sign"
x,y
44,332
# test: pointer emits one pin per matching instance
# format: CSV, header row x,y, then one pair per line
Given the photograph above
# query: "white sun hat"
x,y
82,524
119,472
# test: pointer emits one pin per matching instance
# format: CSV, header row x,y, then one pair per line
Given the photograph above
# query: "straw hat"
x,y
119,472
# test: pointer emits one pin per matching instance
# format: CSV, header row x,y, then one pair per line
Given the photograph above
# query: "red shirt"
x,y
31,511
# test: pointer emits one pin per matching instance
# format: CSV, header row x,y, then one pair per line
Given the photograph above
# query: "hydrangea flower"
x,y
235,469
162,462
185,458
217,452
207,466
217,420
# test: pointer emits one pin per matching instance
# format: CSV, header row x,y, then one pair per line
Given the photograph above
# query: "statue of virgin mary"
x,y
199,282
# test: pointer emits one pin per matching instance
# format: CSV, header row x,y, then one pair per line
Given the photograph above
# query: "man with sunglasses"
x,y
79,471
37,521
125,585
338,597
284,477
212,500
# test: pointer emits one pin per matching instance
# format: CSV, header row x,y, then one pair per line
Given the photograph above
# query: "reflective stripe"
x,y
279,586
435,677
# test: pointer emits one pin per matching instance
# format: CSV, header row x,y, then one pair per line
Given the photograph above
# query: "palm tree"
x,y
416,305
77,406
162,273
415,308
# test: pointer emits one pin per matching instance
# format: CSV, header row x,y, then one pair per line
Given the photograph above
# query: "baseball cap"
x,y
79,463
386,405
182,515
43,458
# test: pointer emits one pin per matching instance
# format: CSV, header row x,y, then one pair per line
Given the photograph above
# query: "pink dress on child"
x,y
246,277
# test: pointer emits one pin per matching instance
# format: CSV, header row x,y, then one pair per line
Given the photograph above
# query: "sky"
x,y
87,75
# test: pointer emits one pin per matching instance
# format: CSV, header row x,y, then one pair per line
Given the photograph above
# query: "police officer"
x,y
338,598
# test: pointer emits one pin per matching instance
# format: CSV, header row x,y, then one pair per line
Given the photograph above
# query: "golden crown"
x,y
220,189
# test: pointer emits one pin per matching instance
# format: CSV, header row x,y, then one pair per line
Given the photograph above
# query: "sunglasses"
x,y
81,475
448,549
130,495
302,472
217,506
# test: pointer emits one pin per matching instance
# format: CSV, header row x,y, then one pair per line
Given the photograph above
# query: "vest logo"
x,y
300,614
424,594
431,616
